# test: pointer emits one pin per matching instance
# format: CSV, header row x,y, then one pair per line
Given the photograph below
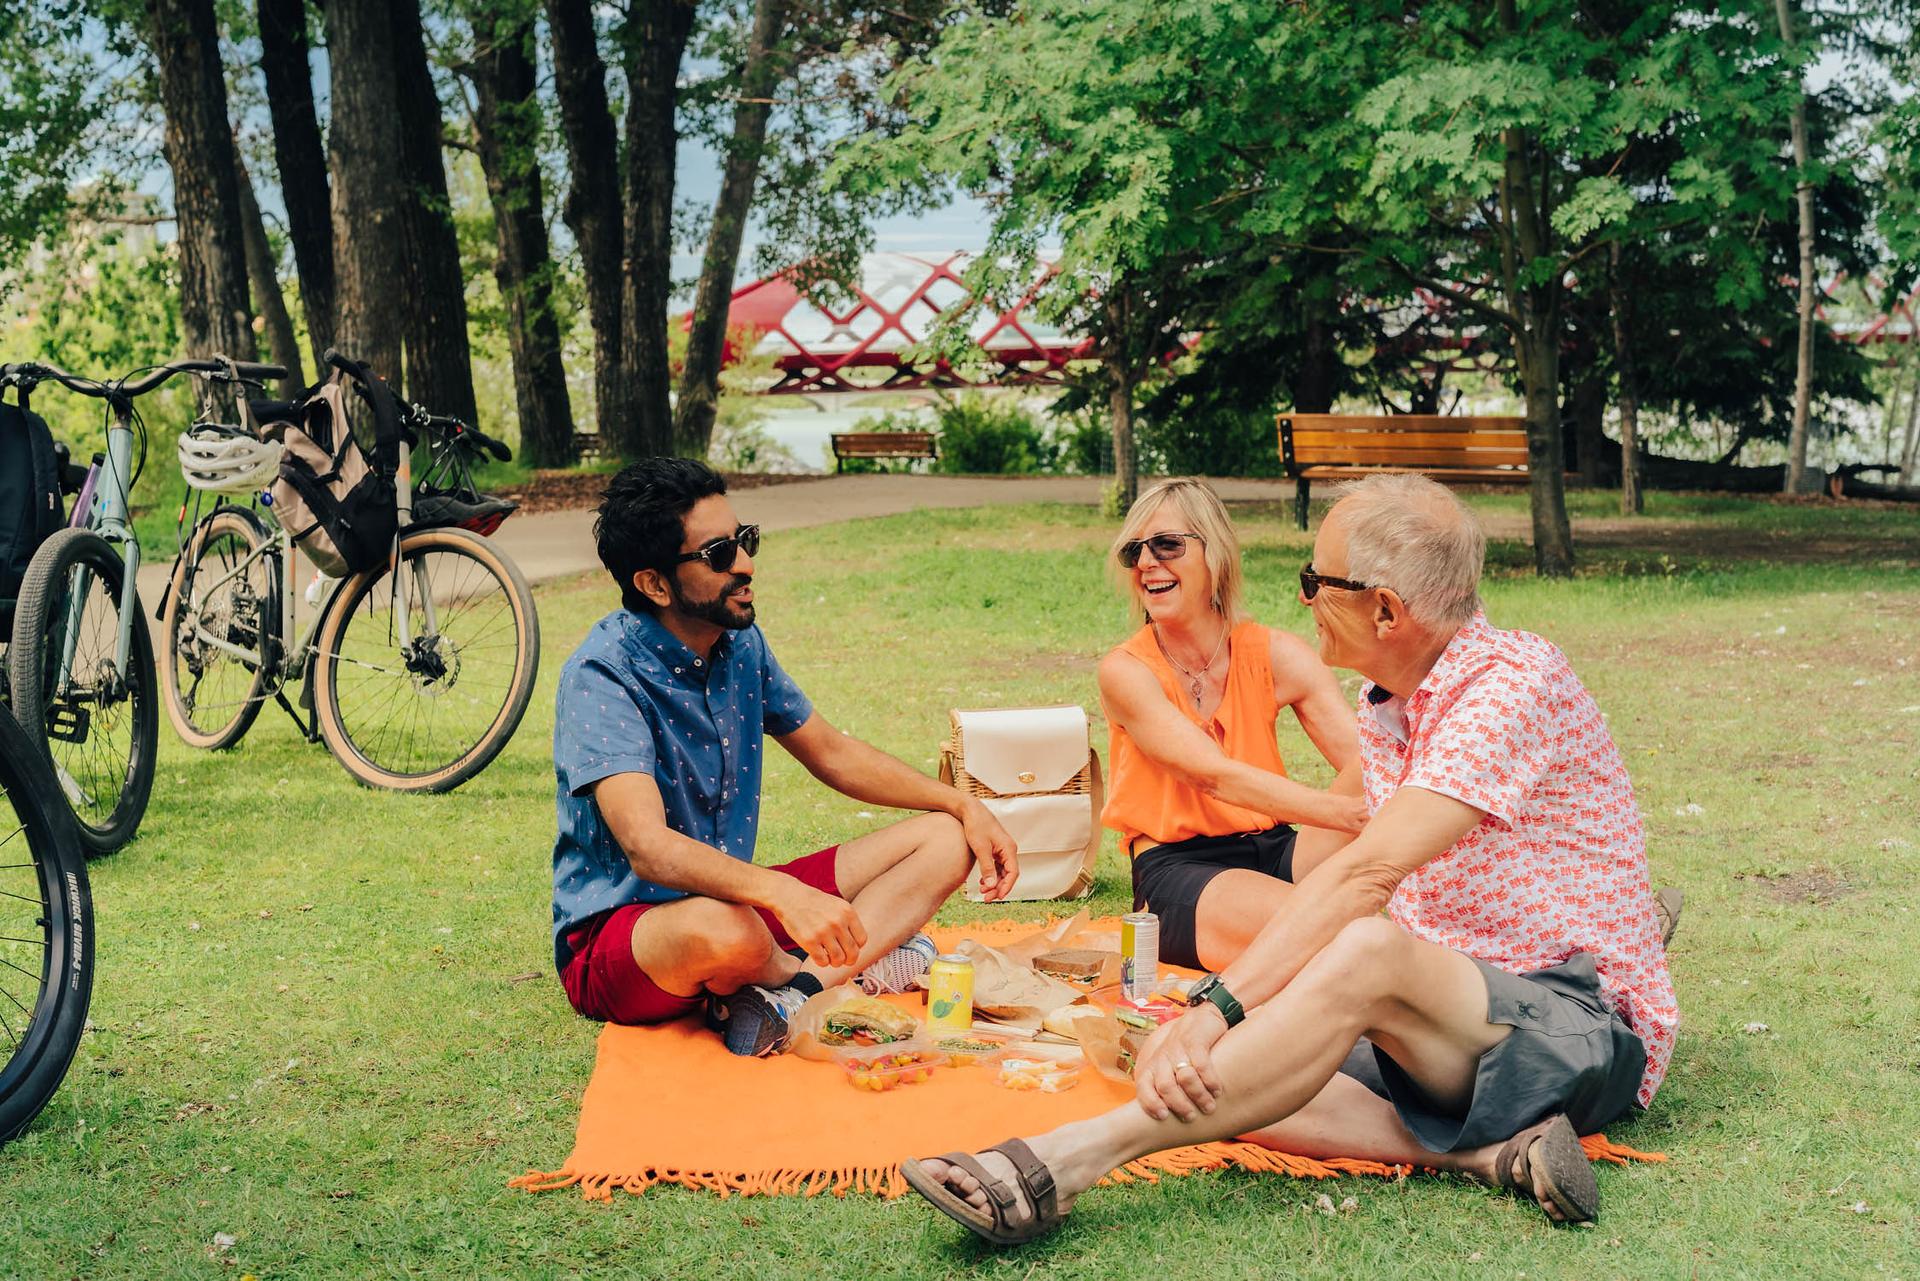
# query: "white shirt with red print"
x,y
1559,864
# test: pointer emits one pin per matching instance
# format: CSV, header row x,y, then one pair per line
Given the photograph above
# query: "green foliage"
x,y
982,435
56,111
1190,440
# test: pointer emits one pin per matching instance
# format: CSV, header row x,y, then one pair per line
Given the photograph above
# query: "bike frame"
x,y
296,651
102,507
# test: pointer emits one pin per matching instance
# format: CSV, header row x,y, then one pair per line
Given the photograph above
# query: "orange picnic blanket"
x,y
668,1104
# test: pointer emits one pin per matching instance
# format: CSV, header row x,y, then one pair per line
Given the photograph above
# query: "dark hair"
x,y
642,518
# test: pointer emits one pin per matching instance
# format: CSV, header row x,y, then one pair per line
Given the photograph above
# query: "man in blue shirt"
x,y
658,907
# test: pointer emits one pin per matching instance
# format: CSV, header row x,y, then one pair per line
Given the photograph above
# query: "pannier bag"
x,y
1036,769
31,509
334,499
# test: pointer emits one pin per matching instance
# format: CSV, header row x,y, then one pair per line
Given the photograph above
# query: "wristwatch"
x,y
1210,990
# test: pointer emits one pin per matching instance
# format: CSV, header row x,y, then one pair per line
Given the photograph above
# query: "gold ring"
x,y
1181,1064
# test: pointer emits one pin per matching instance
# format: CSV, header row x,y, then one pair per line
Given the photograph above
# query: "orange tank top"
x,y
1144,800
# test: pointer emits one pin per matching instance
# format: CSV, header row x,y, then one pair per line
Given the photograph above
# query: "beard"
x,y
719,609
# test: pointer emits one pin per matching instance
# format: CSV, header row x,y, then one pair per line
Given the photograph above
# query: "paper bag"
x,y
1007,991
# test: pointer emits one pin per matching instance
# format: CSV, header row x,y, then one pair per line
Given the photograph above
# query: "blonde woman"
x,y
1198,791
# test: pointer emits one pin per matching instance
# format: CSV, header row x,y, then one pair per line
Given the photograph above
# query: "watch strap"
x,y
1215,992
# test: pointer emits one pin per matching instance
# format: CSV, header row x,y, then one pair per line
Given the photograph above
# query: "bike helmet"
x,y
227,459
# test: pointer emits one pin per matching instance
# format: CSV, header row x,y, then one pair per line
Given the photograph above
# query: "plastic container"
x,y
879,1068
964,1049
1025,1070
1162,1007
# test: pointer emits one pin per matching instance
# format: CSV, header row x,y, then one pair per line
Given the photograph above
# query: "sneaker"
x,y
754,1021
896,971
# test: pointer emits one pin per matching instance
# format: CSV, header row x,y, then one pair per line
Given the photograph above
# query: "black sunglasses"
x,y
1311,582
722,552
1165,547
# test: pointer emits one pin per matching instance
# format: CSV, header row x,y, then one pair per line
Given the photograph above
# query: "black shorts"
x,y
1568,1052
1168,880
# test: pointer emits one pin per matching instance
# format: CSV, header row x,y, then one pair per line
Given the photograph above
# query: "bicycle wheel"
x,y
428,716
46,932
100,726
225,598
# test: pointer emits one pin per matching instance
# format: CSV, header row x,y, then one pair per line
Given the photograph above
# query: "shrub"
x,y
1216,443
998,437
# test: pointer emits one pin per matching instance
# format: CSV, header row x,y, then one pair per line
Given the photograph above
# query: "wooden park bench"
x,y
881,444
1485,451
586,445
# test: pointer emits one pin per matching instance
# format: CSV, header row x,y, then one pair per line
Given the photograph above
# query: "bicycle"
x,y
80,664
46,932
414,680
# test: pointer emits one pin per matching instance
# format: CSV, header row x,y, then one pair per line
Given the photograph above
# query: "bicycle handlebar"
x,y
30,373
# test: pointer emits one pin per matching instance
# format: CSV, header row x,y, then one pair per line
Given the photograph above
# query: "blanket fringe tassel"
x,y
885,1181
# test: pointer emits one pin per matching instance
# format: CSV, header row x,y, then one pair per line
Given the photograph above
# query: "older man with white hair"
x,y
1514,993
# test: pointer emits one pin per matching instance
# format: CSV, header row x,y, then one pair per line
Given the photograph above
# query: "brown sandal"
x,y
996,1225
1556,1154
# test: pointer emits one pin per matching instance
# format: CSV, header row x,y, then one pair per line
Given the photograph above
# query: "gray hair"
x,y
1414,535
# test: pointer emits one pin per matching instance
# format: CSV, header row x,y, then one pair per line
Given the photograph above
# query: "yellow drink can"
x,y
950,993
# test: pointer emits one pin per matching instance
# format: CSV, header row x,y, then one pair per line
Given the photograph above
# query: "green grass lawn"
x,y
326,1024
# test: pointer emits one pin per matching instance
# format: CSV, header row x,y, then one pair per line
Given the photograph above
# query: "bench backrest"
x,y
883,443
1413,441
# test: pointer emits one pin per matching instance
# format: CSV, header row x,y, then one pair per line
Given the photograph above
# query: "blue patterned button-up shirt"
x,y
634,699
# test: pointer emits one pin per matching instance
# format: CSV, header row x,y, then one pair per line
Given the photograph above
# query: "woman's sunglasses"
x,y
722,552
1311,582
1165,547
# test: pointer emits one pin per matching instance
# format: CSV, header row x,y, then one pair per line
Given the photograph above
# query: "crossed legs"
x,y
896,878
1424,1005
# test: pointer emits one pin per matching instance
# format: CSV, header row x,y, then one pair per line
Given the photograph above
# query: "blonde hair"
x,y
1206,516
1414,535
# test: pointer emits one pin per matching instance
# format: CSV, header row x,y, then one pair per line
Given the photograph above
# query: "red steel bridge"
x,y
864,345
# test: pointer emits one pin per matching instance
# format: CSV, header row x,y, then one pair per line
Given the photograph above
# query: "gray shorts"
x,y
1568,1052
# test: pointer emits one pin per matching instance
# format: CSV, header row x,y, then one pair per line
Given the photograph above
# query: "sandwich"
x,y
867,1020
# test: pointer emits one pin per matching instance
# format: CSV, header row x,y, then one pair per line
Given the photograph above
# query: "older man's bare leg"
x,y
1425,1005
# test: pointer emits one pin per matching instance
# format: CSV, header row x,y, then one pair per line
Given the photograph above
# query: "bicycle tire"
x,y
37,621
359,747
255,621
38,1054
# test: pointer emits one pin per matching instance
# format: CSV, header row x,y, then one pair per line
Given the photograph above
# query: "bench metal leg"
x,y
1301,488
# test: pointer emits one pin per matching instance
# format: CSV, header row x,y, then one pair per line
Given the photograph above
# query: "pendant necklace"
x,y
1196,680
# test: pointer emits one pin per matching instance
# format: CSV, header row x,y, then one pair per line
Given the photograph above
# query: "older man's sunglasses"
x,y
1164,547
1312,581
720,553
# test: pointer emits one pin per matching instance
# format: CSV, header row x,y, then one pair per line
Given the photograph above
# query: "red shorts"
x,y
604,982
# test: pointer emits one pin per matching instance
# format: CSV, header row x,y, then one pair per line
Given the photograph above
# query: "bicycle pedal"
x,y
68,722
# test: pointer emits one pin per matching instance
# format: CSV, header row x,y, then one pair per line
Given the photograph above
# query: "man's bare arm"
x,y
822,923
860,770
1414,826
1135,701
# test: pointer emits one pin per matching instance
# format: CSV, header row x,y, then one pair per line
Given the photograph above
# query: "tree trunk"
x,y
592,208
364,147
1126,477
1319,359
507,125
264,276
1586,410
198,141
1803,196
1631,503
707,337
301,159
1911,454
652,42
439,361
